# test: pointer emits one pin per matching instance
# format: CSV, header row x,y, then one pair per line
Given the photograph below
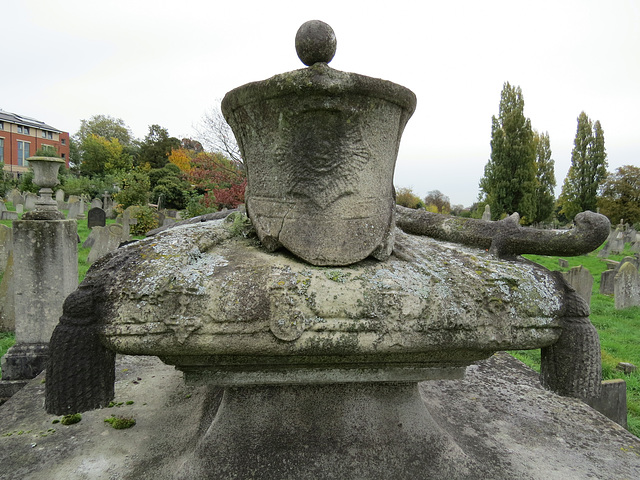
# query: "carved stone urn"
x,y
320,353
45,172
320,148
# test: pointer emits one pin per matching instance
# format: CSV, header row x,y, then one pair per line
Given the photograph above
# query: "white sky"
x,y
159,62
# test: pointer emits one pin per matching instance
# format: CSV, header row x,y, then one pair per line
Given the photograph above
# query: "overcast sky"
x,y
159,62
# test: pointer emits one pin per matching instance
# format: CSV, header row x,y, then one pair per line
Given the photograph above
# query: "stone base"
x,y
366,430
613,401
24,361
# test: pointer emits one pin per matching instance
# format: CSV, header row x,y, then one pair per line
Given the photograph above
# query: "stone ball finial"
x,y
315,42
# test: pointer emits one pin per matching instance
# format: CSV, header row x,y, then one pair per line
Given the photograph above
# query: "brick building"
x,y
21,137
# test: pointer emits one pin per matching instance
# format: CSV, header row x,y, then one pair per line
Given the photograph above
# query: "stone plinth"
x,y
45,272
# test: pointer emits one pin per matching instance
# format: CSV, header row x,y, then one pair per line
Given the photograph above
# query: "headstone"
x,y
487,213
161,217
3,207
96,203
168,221
581,279
617,245
606,282
96,217
74,210
7,311
107,239
169,212
6,245
81,208
128,219
59,195
563,263
627,287
16,198
20,208
9,215
30,201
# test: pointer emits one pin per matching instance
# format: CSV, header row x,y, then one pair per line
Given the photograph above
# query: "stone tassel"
x,y
81,371
572,366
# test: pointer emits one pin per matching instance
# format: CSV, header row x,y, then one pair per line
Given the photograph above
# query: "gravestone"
x,y
9,215
59,195
3,207
81,208
128,219
617,245
487,213
19,208
6,245
96,203
16,198
7,311
30,201
607,282
96,217
106,239
581,279
74,210
563,263
168,221
627,287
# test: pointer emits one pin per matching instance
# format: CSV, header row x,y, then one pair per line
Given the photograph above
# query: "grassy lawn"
x,y
619,331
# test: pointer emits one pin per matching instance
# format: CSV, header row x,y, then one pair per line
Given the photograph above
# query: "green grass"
x,y
619,331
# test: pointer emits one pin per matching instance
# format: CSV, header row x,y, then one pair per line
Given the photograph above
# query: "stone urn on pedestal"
x,y
317,315
45,272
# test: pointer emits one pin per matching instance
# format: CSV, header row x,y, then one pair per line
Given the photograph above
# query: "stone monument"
x,y
45,271
320,312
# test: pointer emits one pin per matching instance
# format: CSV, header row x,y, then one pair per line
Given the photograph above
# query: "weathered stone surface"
x,y
320,147
607,282
506,238
6,245
9,215
218,303
626,286
7,310
45,272
499,416
315,42
581,279
104,240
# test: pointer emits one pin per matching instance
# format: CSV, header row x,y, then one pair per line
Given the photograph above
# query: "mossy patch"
x,y
120,423
71,419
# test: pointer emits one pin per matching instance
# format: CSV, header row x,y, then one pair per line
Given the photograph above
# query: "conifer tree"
x,y
545,178
510,174
588,169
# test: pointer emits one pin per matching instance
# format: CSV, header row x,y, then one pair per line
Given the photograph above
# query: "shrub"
x,y
147,220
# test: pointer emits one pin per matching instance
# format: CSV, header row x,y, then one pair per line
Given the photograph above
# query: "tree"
x,y
438,200
156,147
406,198
510,174
544,198
620,198
216,135
102,156
106,127
588,169
221,181
134,191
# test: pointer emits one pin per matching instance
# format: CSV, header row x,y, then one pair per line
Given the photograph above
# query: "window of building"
x,y
1,125
50,135
44,134
19,128
1,150
64,155
23,153
26,130
63,141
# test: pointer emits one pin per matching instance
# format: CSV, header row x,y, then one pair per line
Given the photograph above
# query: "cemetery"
x,y
319,330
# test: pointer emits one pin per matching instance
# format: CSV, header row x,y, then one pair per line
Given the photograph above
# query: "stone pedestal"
x,y
358,430
45,273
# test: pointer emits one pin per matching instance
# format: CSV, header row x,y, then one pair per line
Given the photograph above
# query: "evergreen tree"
x,y
545,178
156,147
510,174
588,169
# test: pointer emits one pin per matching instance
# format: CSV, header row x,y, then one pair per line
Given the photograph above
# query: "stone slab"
x,y
499,415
